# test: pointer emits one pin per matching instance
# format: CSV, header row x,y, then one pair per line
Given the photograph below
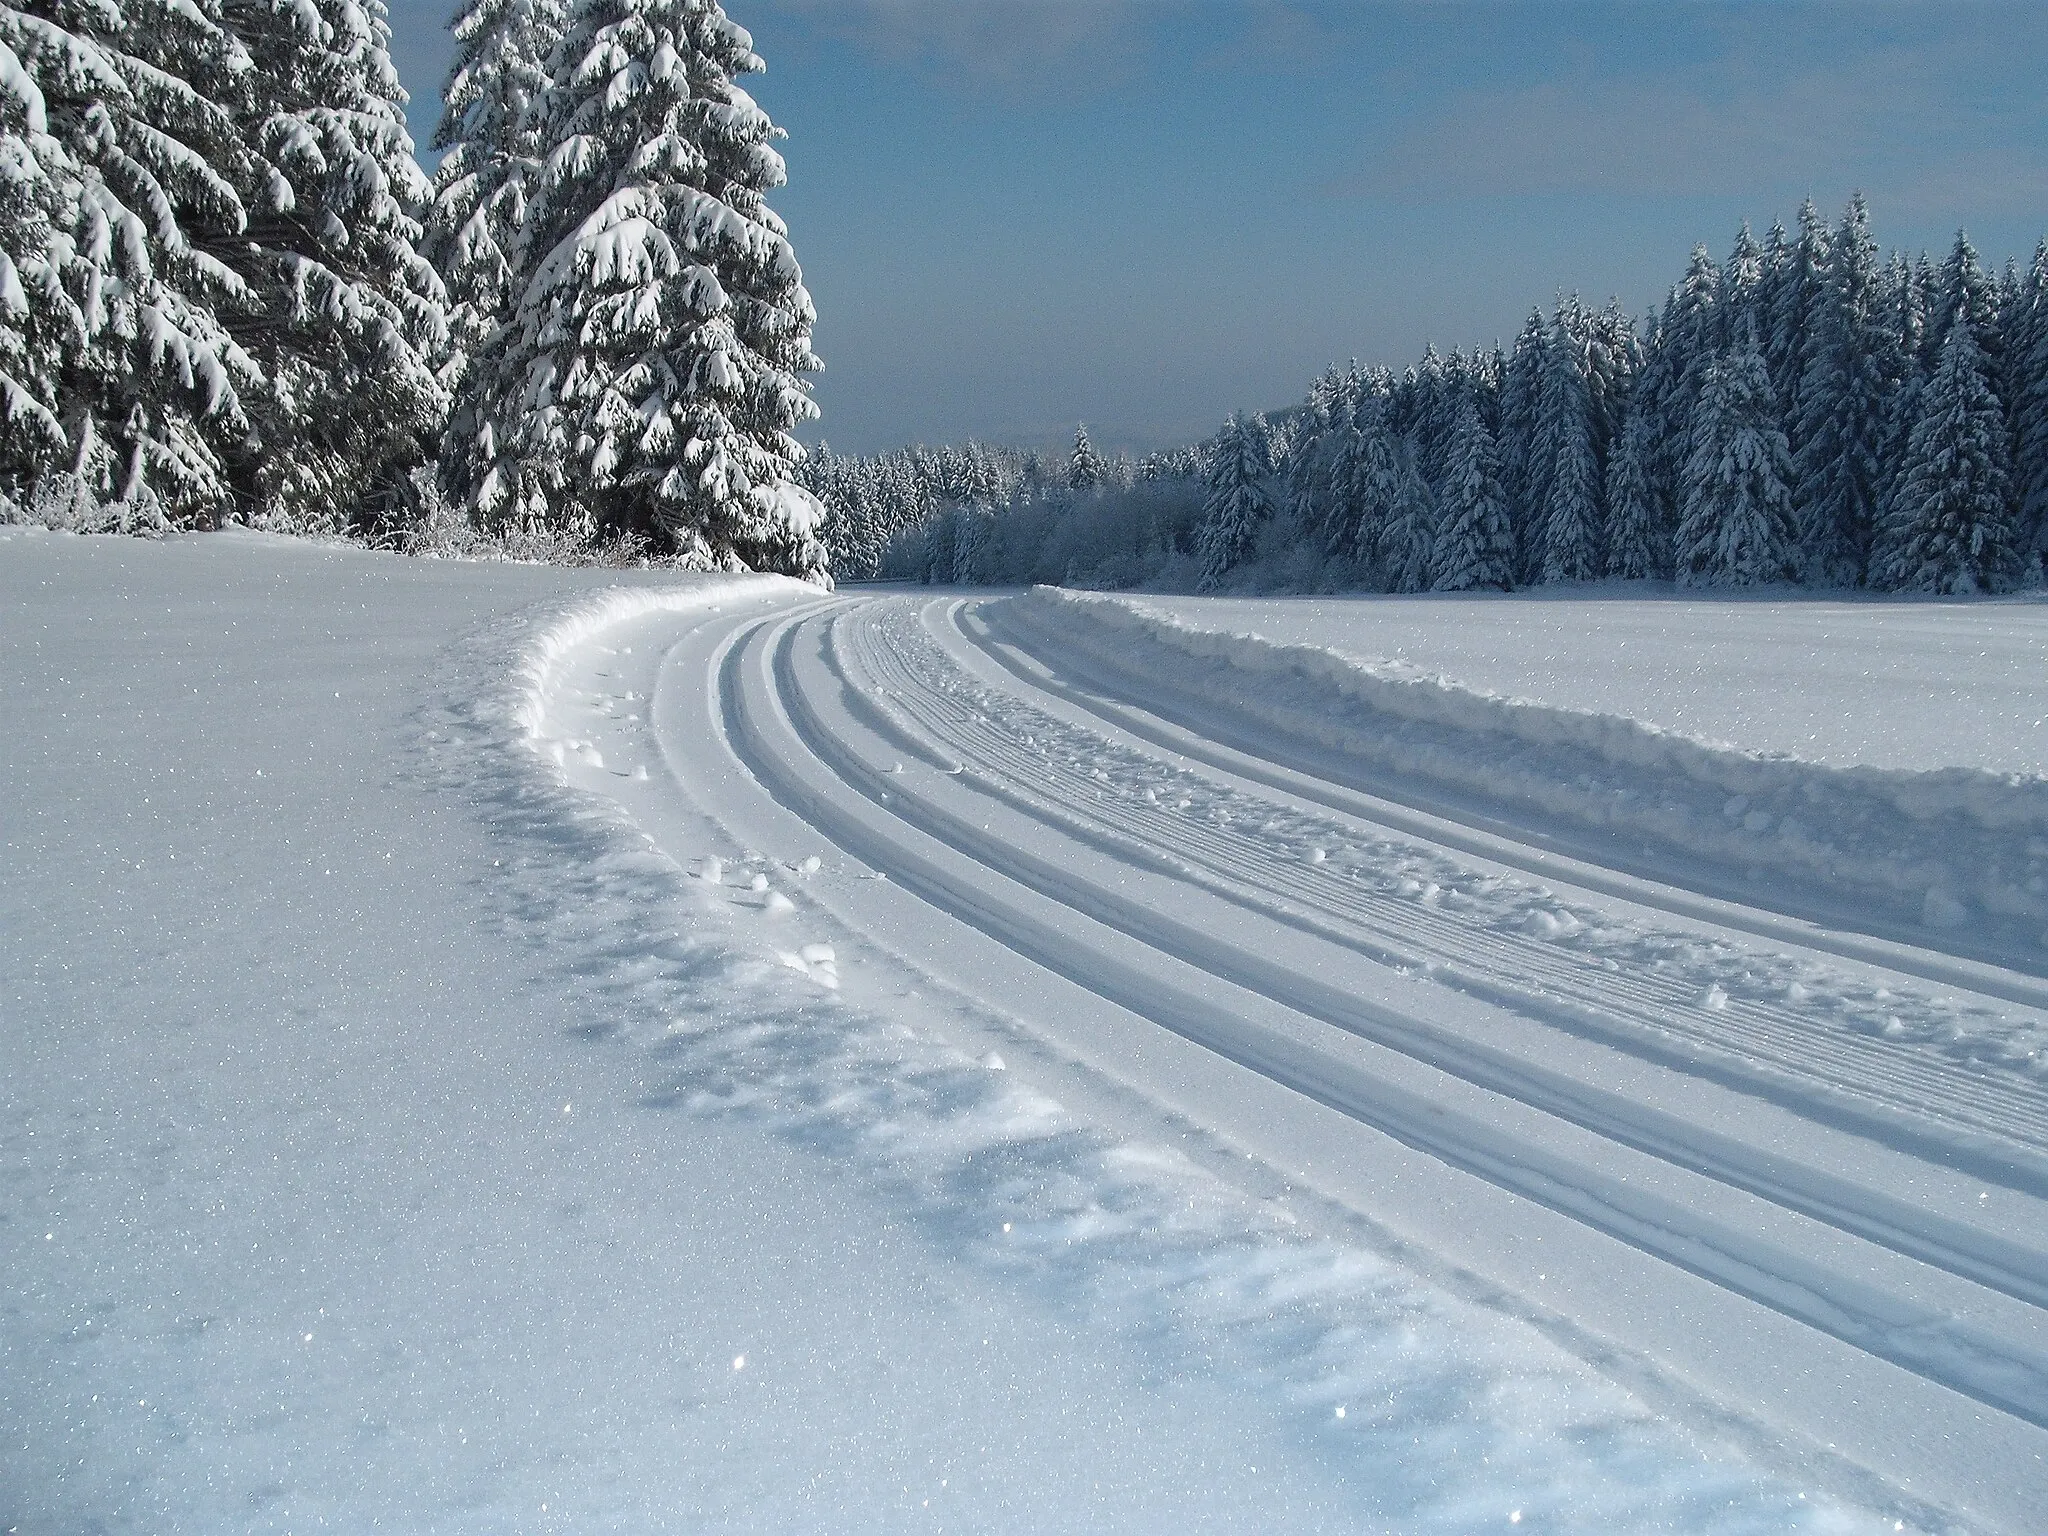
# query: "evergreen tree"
x,y
476,224
351,321
1742,310
2028,358
651,380
37,316
1949,525
1964,291
1475,546
1614,359
488,130
1084,469
1737,527
1327,506
1569,483
1838,471
1638,534
1408,540
1799,304
1366,482
123,175
1237,504
1521,394
1433,413
1673,374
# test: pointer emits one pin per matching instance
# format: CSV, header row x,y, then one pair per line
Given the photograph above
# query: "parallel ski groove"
x,y
772,723
1908,1083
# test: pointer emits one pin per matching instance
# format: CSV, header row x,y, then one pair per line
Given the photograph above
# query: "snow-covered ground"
x,y
1893,683
503,1049
1951,854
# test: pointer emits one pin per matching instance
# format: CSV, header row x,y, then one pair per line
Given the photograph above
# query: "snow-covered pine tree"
x,y
1408,541
350,323
1838,473
1948,527
489,131
1638,533
37,189
1366,483
1475,546
653,377
2027,360
1614,357
1309,500
1799,302
1434,411
1521,393
1737,525
1674,370
1326,507
1570,512
1741,311
121,173
1964,289
1084,468
1238,503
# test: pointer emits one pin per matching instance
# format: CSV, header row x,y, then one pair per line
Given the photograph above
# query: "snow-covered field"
x,y
1892,683
495,1049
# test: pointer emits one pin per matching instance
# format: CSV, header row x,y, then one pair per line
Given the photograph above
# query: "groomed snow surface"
x,y
499,1049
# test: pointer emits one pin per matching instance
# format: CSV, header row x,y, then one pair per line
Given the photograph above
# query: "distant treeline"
x,y
1805,412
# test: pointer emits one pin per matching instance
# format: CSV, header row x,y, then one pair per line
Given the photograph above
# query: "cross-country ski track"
x,y
1649,1120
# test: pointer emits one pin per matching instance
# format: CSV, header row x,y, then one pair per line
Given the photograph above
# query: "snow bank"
x,y
1947,847
542,639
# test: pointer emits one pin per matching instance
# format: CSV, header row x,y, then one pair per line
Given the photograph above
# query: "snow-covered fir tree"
x,y
1948,527
474,236
1799,301
652,377
1837,467
350,323
1238,503
489,132
1690,337
1475,545
1521,393
123,174
1084,466
1408,539
37,316
1614,356
2027,359
1964,291
1737,524
1638,536
1565,472
1743,309
1368,484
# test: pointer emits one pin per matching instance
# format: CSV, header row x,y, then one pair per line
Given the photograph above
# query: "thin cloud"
x,y
1017,46
1892,121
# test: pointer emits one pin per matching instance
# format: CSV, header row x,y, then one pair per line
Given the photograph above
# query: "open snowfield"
x,y
496,1049
1889,682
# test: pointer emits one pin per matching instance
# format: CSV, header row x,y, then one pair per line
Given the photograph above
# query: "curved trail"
x,y
1818,1188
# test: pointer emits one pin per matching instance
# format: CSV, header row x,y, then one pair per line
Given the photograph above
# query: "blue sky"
x,y
1017,214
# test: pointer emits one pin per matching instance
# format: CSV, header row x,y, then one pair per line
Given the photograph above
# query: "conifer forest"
x,y
229,293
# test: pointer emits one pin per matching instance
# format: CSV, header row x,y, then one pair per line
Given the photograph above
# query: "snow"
x,y
1882,683
1888,850
464,1075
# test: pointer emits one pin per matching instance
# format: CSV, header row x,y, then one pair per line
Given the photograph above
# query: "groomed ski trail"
x,y
1814,1228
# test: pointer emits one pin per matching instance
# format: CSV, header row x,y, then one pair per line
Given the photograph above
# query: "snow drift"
x,y
1948,848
